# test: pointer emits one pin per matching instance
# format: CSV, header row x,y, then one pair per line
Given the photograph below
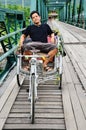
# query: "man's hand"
x,y
52,38
18,51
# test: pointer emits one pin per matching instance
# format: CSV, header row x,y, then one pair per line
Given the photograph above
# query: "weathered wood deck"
x,y
75,76
56,109
48,109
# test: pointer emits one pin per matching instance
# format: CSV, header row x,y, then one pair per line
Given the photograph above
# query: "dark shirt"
x,y
38,33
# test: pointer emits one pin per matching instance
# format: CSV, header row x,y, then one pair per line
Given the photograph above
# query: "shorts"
x,y
43,47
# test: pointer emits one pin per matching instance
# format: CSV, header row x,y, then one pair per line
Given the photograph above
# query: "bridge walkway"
x,y
56,109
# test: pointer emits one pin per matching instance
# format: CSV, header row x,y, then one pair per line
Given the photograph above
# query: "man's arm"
x,y
52,38
22,38
51,34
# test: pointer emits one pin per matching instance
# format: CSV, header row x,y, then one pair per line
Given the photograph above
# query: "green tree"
x,y
26,11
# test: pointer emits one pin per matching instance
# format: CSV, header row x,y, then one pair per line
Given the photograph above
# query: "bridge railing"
x,y
8,55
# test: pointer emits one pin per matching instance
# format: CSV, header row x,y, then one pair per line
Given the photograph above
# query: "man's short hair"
x,y
33,12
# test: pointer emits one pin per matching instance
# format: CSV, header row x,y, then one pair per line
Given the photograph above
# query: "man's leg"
x,y
51,55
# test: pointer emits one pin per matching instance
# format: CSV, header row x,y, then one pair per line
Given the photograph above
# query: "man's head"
x,y
33,12
35,16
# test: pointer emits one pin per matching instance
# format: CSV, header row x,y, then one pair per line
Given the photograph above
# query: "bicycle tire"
x,y
18,80
32,98
60,72
19,74
60,84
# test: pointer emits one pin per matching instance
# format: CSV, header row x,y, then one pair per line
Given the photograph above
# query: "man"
x,y
39,32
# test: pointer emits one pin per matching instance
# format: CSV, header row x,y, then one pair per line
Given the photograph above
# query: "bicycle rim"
x,y
32,98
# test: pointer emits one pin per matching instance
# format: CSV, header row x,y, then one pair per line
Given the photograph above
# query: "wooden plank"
x,y
82,98
77,109
79,90
43,90
36,126
6,94
78,113
37,121
42,99
78,33
8,80
38,110
67,36
38,106
41,96
6,109
72,72
68,112
81,52
81,59
37,115
82,69
78,70
40,103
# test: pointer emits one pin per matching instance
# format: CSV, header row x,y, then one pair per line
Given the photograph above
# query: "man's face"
x,y
36,18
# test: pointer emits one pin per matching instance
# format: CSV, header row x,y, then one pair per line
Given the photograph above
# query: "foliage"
x,y
26,10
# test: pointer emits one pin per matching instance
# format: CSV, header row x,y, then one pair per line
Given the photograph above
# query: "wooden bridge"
x,y
56,109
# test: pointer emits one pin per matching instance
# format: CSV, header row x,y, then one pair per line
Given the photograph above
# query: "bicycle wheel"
x,y
60,71
19,74
60,84
19,80
32,98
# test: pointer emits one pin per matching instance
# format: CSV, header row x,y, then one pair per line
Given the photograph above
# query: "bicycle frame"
x,y
33,71
34,75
